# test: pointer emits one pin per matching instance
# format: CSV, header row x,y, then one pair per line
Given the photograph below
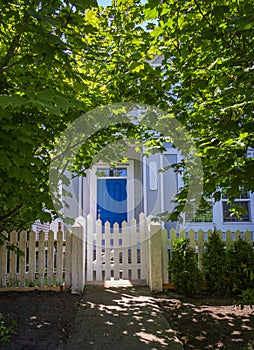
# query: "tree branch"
x,y
12,212
11,51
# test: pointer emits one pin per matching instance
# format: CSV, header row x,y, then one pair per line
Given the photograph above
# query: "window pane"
x,y
243,194
118,172
194,215
227,214
111,172
102,172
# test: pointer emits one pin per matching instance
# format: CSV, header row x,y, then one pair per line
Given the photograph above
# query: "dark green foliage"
x,y
214,266
225,271
240,265
6,331
246,297
184,270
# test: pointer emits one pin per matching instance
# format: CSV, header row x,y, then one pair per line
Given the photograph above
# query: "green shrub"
x,y
183,267
240,264
214,265
246,297
6,331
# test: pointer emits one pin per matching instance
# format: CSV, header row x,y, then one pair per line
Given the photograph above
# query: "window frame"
x,y
237,201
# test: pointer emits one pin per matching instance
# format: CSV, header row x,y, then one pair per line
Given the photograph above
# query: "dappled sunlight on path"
x,y
210,324
126,318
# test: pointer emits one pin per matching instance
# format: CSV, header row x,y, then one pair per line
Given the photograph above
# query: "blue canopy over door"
x,y
111,200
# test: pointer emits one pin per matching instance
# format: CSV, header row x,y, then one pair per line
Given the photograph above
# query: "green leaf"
x,y
217,196
5,162
45,95
151,13
91,18
136,66
82,5
14,101
244,22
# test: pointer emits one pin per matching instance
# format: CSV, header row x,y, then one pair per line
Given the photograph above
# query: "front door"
x,y
112,197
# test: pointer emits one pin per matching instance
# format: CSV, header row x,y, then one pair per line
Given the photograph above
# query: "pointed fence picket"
x,y
3,262
40,265
118,252
93,253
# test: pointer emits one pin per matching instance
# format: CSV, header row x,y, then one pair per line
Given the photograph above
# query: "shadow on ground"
x,y
120,318
42,319
210,324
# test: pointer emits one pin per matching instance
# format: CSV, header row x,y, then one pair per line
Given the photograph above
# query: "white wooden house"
x,y
120,193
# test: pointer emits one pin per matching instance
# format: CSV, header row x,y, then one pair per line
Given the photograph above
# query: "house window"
x,y
111,172
200,215
243,201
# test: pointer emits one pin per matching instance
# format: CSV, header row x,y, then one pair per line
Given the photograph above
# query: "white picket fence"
x,y
93,254
90,253
42,262
197,241
118,252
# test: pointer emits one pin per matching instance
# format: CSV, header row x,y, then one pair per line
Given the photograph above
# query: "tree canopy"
x,y
40,91
208,49
61,59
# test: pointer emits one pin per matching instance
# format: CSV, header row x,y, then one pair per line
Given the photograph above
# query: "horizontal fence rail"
x,y
92,253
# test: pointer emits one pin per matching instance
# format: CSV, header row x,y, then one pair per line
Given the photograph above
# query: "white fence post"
x,y
89,245
78,255
50,259
41,259
164,247
22,259
144,246
68,258
3,262
155,258
13,260
59,258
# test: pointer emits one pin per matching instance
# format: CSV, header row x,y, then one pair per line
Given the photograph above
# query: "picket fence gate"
x,y
93,253
118,252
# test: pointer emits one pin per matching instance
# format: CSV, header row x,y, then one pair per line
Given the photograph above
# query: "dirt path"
x,y
44,320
